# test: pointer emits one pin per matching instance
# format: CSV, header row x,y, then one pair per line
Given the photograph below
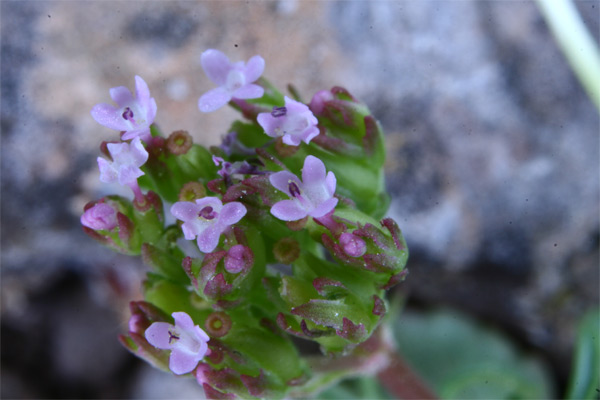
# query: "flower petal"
x,y
313,171
108,116
330,182
183,320
216,65
209,238
142,92
269,123
254,68
181,362
232,213
121,95
249,91
138,152
200,334
210,201
288,210
158,335
213,99
291,140
310,134
185,210
129,174
324,208
281,181
107,172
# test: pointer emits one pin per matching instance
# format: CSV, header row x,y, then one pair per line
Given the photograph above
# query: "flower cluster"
x,y
287,220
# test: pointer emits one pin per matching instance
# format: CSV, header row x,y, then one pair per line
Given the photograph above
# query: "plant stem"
x,y
402,382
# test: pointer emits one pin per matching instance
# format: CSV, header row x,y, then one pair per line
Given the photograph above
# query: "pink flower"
x,y
127,160
186,341
234,79
207,219
295,122
312,196
101,216
133,116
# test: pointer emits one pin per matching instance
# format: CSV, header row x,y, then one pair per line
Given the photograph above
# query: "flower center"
x,y
278,111
207,213
128,115
235,80
294,189
173,336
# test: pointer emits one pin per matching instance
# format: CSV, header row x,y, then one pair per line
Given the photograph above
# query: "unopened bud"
x,y
352,245
238,258
100,216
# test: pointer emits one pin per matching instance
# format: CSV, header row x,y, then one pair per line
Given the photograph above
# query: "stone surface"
x,y
493,153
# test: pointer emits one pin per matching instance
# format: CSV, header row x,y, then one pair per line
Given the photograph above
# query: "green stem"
x,y
576,43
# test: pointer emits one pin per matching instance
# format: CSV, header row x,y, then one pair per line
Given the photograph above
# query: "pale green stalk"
x,y
576,43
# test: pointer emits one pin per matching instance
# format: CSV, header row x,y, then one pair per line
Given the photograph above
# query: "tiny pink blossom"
x,y
312,196
294,123
101,216
353,245
207,219
186,341
133,116
127,160
235,80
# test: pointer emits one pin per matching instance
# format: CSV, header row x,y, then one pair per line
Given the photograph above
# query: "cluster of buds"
x,y
285,225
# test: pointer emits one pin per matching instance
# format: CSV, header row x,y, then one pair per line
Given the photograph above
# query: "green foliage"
x,y
461,359
585,379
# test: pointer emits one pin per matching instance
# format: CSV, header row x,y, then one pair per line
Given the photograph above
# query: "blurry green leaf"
x,y
585,377
355,388
460,359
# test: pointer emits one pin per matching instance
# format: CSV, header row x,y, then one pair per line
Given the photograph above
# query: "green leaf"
x,y
585,377
461,359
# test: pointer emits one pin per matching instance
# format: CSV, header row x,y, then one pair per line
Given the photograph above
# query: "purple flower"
x,y
127,160
134,116
295,122
101,216
207,218
234,79
312,196
186,341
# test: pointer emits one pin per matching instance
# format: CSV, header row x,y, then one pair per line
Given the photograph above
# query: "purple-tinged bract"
x,y
294,123
207,219
187,342
132,115
312,196
235,80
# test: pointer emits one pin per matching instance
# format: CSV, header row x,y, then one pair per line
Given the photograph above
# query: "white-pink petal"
x,y
183,320
254,68
208,239
121,95
213,99
216,65
232,213
281,181
185,210
108,116
158,335
324,208
249,91
181,362
288,210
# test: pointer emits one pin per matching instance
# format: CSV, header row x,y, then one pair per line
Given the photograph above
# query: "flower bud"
x,y
100,216
353,245
239,258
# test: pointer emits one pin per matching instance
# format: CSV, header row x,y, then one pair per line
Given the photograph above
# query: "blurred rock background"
x,y
493,162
